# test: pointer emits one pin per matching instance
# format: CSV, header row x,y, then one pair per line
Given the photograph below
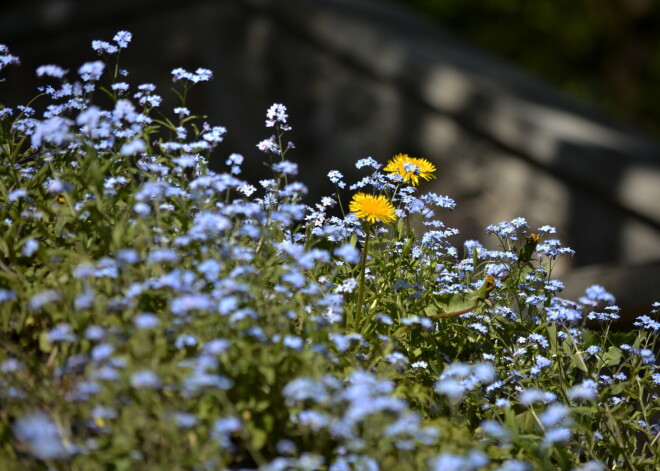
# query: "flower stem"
x,y
365,249
408,228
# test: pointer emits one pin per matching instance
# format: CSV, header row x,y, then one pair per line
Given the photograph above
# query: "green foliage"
x,y
157,315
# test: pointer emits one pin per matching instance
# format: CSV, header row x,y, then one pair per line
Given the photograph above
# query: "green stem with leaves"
x,y
363,267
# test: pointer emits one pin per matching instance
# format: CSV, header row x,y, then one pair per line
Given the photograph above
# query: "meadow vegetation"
x,y
156,314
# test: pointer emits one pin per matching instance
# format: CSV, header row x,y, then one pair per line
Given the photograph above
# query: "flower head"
x,y
411,168
372,208
122,38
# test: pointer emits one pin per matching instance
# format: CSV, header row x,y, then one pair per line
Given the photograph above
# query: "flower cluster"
x,y
155,313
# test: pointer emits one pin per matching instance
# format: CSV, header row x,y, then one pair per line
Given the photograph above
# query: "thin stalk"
x,y
408,228
280,133
363,267
341,206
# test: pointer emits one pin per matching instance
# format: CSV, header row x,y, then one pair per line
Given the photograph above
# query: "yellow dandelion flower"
x,y
401,164
372,208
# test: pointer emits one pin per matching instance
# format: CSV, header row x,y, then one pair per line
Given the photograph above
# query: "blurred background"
x,y
547,110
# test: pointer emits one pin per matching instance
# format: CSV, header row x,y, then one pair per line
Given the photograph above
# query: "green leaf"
x,y
589,338
455,302
525,422
562,456
62,220
552,338
258,438
268,374
44,345
577,361
638,341
612,357
620,338
430,310
4,248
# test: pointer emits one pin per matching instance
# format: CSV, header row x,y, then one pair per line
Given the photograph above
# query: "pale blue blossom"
x,y
122,38
30,247
42,436
145,379
134,147
91,71
585,391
